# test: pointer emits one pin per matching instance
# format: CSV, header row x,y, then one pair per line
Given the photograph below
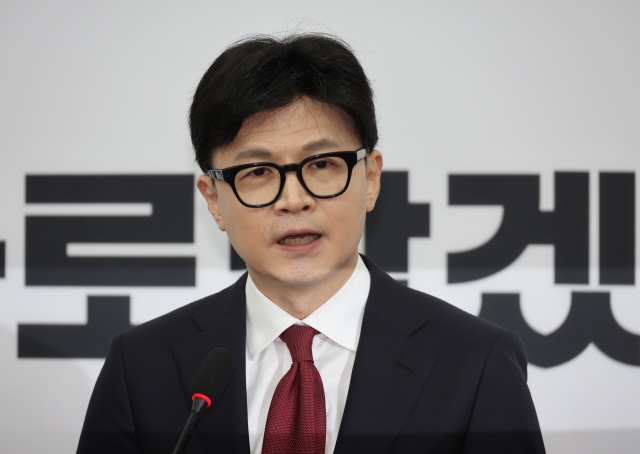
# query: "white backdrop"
x,y
462,88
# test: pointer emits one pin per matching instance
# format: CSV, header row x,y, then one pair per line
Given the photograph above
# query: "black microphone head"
x,y
213,375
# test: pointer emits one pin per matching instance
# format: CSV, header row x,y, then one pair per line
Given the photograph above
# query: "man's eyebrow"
x,y
319,145
253,153
261,153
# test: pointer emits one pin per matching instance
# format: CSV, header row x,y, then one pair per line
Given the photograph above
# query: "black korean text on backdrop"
x,y
589,320
617,228
388,229
393,221
2,258
171,197
106,317
567,228
47,263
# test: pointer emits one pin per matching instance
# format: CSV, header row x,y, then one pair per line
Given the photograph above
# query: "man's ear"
x,y
208,190
374,171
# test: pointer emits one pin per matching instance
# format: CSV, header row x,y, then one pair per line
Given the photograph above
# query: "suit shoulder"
x,y
464,335
456,323
458,320
173,326
165,325
408,310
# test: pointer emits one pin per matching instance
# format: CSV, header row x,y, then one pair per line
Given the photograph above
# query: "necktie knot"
x,y
299,339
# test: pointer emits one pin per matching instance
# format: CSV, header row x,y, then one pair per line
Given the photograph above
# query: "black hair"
x,y
262,73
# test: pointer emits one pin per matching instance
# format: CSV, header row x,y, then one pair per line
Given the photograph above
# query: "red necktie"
x,y
297,420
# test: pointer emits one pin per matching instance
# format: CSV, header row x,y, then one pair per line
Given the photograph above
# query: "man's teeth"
x,y
299,239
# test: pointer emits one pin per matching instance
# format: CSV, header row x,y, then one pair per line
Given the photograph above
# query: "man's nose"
x,y
294,197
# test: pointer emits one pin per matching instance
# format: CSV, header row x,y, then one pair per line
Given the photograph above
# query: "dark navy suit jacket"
x,y
427,378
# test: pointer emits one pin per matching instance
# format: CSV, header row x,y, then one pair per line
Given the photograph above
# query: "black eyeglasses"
x,y
259,184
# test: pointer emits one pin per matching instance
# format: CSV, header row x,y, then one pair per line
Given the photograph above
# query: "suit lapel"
x,y
392,365
222,321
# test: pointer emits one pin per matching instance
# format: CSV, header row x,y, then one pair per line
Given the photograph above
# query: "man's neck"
x,y
301,299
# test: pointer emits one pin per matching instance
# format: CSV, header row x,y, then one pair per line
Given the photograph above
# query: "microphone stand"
x,y
198,405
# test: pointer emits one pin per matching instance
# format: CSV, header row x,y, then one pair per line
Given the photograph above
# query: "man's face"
x,y
299,240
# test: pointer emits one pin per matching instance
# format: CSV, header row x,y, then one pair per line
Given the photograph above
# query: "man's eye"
x,y
321,164
259,172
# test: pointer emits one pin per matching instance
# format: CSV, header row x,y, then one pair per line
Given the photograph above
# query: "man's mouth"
x,y
299,239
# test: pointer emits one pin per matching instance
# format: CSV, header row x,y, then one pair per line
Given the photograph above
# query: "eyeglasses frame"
x,y
229,174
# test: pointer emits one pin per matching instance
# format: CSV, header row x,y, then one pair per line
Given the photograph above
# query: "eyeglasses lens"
x,y
258,185
325,176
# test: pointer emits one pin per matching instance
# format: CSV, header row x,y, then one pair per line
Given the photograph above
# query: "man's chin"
x,y
294,273
300,276
306,273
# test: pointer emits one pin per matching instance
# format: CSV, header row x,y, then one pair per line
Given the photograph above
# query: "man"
x,y
332,354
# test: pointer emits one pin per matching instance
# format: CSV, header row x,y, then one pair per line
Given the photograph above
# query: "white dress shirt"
x,y
339,321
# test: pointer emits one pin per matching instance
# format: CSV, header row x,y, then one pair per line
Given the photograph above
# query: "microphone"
x,y
208,386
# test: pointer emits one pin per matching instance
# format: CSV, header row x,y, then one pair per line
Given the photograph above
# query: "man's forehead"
x,y
298,116
303,127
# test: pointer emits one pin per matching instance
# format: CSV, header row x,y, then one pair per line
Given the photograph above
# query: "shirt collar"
x,y
339,318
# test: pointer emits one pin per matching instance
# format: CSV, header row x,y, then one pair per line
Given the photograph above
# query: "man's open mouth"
x,y
299,239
